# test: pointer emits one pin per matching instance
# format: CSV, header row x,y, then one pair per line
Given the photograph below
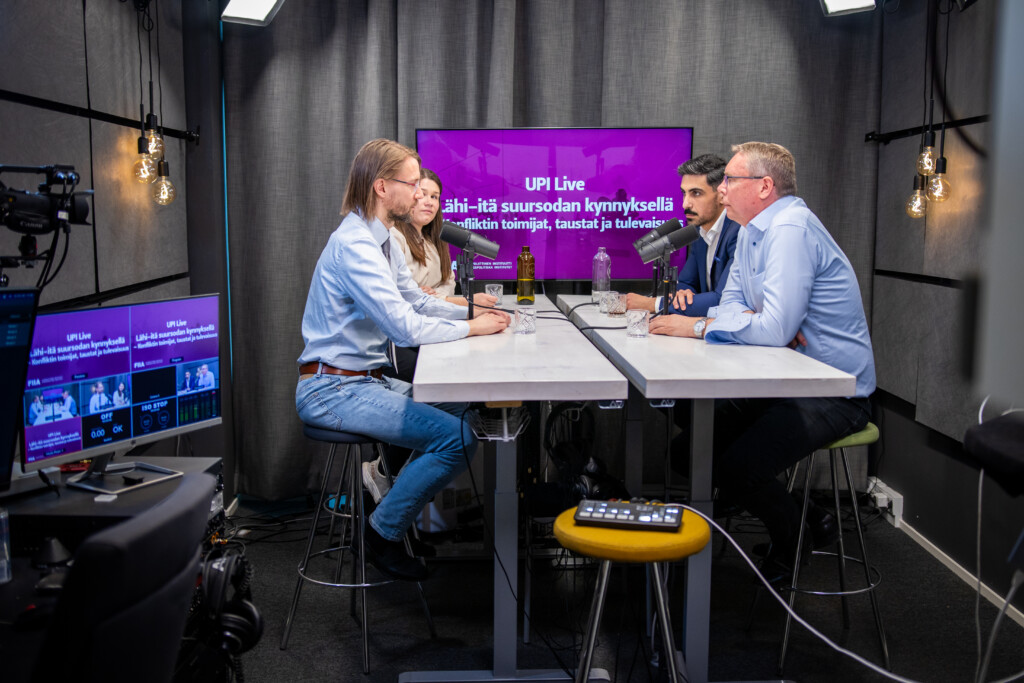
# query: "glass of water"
x,y
637,322
526,320
606,298
616,304
496,291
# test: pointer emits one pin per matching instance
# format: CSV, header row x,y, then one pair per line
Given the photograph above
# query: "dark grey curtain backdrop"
x,y
303,94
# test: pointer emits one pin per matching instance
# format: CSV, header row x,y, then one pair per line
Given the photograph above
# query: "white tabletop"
x,y
556,364
677,367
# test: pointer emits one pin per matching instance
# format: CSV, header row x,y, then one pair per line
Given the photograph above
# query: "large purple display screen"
x,y
104,375
562,192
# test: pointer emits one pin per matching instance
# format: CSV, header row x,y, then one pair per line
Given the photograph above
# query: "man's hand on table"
x,y
640,302
674,325
487,322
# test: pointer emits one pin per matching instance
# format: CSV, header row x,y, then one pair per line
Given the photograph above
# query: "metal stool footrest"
x,y
876,579
344,506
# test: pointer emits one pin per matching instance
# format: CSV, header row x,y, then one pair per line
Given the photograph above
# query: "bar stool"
x,y
628,545
344,506
872,577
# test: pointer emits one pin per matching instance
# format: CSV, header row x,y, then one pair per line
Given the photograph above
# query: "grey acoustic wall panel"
x,y
171,290
42,49
899,239
903,77
114,60
32,137
895,334
945,401
952,244
136,239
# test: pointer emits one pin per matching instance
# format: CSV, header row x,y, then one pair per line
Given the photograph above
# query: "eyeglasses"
x,y
415,186
727,178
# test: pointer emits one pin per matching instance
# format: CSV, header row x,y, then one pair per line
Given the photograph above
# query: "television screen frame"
x,y
17,320
148,346
585,170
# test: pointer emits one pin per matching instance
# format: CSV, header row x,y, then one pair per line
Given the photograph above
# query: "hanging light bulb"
x,y
927,157
917,204
939,189
145,167
163,191
154,139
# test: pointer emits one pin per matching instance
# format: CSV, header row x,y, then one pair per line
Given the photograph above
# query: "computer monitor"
x,y
563,192
17,316
102,381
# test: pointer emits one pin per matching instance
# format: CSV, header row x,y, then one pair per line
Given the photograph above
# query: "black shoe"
x,y
777,568
422,548
824,527
390,558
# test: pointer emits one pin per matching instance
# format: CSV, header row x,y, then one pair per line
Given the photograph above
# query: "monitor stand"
x,y
113,479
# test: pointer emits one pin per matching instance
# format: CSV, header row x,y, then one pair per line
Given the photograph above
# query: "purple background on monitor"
x,y
514,167
63,331
55,438
152,319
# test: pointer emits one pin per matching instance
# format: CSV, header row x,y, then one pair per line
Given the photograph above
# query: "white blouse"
x,y
428,275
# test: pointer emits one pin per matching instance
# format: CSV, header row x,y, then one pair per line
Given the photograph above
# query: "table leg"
x,y
697,617
634,456
506,574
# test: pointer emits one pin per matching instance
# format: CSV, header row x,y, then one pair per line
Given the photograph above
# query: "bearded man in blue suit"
x,y
706,270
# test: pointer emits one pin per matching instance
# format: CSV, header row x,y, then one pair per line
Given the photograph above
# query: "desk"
x,y
557,364
71,517
661,367
75,514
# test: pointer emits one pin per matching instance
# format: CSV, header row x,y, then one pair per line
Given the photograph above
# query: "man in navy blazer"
x,y
696,292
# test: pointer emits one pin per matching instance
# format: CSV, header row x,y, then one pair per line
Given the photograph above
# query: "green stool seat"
x,y
864,437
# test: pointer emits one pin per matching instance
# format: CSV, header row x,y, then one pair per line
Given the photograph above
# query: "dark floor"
x,y
928,613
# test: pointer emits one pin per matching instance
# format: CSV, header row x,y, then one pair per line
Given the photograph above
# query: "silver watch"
x,y
698,328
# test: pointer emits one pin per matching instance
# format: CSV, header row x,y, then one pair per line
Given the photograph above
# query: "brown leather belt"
x,y
312,368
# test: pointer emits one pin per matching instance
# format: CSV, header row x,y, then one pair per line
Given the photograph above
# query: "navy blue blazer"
x,y
693,275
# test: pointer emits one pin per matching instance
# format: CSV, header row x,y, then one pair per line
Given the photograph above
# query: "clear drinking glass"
x,y
496,291
606,297
637,322
616,305
526,320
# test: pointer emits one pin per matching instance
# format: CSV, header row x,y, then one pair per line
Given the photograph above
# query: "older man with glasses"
x,y
790,285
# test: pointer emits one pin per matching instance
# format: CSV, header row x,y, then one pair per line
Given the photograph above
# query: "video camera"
x,y
55,205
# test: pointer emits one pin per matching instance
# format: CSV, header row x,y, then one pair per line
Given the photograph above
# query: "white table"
x,y
555,364
660,367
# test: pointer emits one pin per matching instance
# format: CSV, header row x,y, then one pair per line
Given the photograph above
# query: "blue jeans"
x,y
442,443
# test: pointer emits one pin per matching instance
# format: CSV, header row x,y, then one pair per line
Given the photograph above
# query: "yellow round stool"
x,y
629,545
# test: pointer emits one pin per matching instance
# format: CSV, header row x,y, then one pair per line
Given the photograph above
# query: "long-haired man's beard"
x,y
399,217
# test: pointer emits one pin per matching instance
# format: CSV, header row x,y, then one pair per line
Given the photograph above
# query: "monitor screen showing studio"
x,y
102,381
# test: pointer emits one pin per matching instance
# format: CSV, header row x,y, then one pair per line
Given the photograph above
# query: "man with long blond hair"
x,y
362,300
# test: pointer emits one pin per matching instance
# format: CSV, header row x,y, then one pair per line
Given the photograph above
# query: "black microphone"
x,y
466,240
663,246
660,231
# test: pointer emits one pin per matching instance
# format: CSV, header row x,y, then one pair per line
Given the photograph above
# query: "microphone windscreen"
x,y
684,236
468,241
665,228
669,243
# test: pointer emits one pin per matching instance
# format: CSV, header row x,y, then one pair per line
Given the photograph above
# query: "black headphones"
x,y
234,624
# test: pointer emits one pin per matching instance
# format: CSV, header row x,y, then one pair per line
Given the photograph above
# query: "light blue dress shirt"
x,y
792,274
357,301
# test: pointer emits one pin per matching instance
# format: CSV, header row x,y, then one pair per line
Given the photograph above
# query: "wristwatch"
x,y
698,328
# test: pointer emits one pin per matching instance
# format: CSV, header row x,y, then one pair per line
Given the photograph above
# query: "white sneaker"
x,y
375,481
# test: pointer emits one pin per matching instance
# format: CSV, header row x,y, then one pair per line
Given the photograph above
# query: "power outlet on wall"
x,y
887,500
